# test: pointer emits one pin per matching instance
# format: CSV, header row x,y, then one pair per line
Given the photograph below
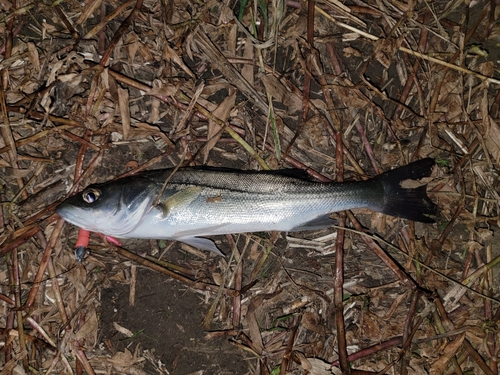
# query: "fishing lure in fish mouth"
x,y
200,202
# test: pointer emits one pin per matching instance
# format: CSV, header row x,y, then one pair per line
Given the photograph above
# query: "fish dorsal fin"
x,y
180,198
295,173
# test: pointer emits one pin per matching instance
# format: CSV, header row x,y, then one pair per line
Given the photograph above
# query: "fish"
x,y
194,203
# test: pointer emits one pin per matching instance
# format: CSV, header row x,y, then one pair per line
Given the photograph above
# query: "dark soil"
x,y
166,319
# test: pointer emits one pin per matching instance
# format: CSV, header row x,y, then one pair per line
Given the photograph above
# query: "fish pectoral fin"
x,y
201,243
319,222
180,198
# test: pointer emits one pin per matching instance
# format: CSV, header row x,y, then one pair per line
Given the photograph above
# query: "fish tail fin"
x,y
412,203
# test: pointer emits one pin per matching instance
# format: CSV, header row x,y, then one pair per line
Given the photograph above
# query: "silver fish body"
x,y
204,202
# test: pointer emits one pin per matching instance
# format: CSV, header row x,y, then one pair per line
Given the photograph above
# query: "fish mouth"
x,y
70,214
63,210
80,218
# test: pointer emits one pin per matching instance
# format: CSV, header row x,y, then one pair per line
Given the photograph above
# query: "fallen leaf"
x,y
123,104
222,113
450,350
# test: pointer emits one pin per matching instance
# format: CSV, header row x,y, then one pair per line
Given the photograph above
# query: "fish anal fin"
x,y
179,198
201,243
320,222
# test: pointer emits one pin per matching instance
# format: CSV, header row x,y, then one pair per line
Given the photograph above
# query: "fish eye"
x,y
91,195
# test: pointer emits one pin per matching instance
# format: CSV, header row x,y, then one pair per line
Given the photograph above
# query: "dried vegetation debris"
x,y
92,90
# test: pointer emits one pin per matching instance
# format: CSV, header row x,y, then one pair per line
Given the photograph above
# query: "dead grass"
x,y
90,91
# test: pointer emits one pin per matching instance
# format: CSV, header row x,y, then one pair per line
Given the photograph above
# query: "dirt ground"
x,y
166,320
91,91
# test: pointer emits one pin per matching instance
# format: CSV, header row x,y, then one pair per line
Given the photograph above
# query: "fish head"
x,y
113,208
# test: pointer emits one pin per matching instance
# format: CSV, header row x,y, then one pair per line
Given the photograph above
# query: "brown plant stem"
x,y
289,349
466,344
395,341
16,288
119,33
338,286
407,336
56,233
191,283
393,265
439,84
238,283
